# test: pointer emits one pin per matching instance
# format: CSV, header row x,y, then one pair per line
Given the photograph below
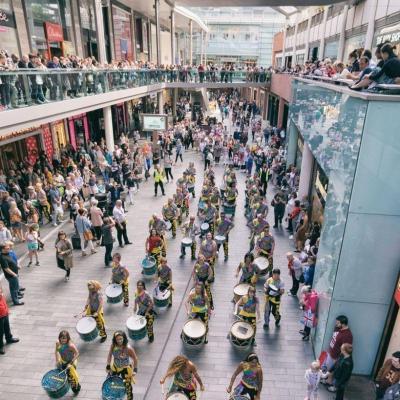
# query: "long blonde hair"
x,y
176,365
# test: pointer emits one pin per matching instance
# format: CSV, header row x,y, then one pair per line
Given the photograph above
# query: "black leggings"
x,y
245,390
168,173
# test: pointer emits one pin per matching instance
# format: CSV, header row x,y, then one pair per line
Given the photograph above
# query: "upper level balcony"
x,y
34,96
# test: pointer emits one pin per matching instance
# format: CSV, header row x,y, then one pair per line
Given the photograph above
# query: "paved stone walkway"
x,y
50,305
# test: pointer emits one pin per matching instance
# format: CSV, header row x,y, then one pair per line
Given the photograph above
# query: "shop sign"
x,y
68,48
54,32
154,122
7,19
16,134
389,34
397,293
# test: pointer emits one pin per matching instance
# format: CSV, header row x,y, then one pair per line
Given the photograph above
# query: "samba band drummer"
x,y
274,289
198,306
120,276
170,213
190,229
208,249
155,245
164,279
160,226
223,226
203,273
252,378
121,355
66,359
265,247
94,307
144,306
249,306
250,271
185,377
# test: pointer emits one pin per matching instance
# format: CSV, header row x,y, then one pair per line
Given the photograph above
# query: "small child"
x,y
313,376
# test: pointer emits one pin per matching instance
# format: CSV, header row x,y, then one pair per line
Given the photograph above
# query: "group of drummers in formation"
x,y
216,211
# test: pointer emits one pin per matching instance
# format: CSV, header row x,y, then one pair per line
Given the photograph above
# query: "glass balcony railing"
x,y
22,88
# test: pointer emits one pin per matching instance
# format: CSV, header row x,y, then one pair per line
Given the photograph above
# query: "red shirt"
x,y
338,338
3,306
154,241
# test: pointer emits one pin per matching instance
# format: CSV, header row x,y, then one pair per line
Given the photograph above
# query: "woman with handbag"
x,y
64,254
83,227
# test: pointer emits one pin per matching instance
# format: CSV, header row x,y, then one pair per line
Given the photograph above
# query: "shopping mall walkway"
x,y
50,305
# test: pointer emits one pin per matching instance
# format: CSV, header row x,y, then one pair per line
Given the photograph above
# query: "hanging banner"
x,y
32,149
48,142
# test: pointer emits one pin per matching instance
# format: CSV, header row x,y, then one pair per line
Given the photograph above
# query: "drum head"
x,y
194,329
242,330
53,380
113,290
86,325
204,226
187,240
238,397
148,262
261,263
136,323
273,287
220,238
159,295
168,225
241,289
177,396
113,388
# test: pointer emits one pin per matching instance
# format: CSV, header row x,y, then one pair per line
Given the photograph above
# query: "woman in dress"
x,y
64,254
252,378
66,358
31,238
185,376
122,355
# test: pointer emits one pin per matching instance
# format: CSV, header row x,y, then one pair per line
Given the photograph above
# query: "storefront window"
x,y
8,33
122,34
390,34
87,17
50,24
331,50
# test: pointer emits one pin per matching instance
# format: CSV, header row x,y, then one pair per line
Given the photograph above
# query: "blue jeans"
x,y
13,283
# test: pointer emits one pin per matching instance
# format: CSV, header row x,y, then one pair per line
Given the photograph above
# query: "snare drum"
x,y
161,299
136,326
238,397
113,388
187,242
87,329
219,239
205,227
240,290
177,396
263,264
241,334
114,293
55,383
149,266
194,333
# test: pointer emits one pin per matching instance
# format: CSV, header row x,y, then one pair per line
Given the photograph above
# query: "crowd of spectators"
x,y
85,76
361,70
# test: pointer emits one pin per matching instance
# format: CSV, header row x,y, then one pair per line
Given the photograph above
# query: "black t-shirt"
x,y
391,68
7,262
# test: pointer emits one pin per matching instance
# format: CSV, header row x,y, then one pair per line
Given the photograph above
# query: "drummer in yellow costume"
x,y
209,214
208,249
144,307
190,229
223,226
164,278
155,246
248,308
170,213
191,179
94,308
66,358
257,226
180,201
120,275
215,199
121,355
203,273
198,305
250,271
274,289
204,197
265,247
160,226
